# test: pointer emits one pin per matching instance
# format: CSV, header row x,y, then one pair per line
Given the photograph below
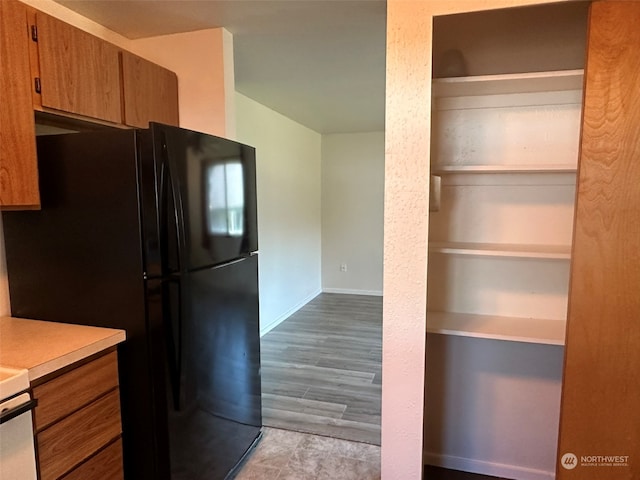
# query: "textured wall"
x,y
408,110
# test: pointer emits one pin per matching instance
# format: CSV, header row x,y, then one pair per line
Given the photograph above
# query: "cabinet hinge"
x,y
37,85
34,33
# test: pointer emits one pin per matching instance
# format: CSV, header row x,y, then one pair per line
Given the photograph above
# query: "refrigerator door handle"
x,y
162,215
173,323
173,328
166,189
178,212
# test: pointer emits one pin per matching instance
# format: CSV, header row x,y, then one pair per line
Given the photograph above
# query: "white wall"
x,y
203,61
352,212
492,406
289,223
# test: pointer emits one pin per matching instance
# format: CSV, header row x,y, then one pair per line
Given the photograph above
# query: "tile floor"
x,y
287,455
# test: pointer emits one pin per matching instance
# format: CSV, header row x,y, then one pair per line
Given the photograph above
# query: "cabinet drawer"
x,y
75,438
69,392
106,465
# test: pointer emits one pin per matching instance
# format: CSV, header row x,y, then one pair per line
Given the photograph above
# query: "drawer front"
x,y
75,438
71,391
106,465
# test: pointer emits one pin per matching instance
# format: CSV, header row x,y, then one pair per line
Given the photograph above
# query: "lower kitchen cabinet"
x,y
77,422
105,465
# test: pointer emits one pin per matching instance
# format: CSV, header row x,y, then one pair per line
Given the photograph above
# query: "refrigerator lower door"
x,y
219,416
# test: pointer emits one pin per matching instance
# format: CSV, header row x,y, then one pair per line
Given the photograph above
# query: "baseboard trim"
x,y
266,329
486,468
349,291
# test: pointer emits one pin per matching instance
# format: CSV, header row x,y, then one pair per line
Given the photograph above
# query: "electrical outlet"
x,y
343,267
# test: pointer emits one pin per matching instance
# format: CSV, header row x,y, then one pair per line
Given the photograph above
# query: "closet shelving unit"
x,y
505,148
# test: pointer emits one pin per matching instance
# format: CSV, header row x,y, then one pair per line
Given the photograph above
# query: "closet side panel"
x,y
600,418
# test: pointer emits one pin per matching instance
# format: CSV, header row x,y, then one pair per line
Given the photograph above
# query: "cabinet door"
x,y
18,165
150,92
79,73
600,418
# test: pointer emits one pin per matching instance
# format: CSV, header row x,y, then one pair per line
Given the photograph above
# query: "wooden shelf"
x,y
486,169
514,329
551,252
508,83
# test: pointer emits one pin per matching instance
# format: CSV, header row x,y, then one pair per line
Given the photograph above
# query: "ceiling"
x,y
318,62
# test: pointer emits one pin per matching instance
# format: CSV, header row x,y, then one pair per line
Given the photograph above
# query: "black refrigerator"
x,y
154,231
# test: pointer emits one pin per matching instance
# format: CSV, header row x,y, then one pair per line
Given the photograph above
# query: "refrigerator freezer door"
x,y
213,180
219,413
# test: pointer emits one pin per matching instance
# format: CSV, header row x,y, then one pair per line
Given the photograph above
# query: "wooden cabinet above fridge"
x,y
67,76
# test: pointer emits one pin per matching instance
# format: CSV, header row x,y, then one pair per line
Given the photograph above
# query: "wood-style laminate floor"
x,y
322,369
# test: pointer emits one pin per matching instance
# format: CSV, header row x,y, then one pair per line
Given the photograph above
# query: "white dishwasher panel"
x,y
17,452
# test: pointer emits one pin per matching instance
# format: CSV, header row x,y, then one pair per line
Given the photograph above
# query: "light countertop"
x,y
44,347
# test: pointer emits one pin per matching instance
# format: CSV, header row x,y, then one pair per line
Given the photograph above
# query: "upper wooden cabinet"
x,y
18,165
53,67
150,92
79,73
